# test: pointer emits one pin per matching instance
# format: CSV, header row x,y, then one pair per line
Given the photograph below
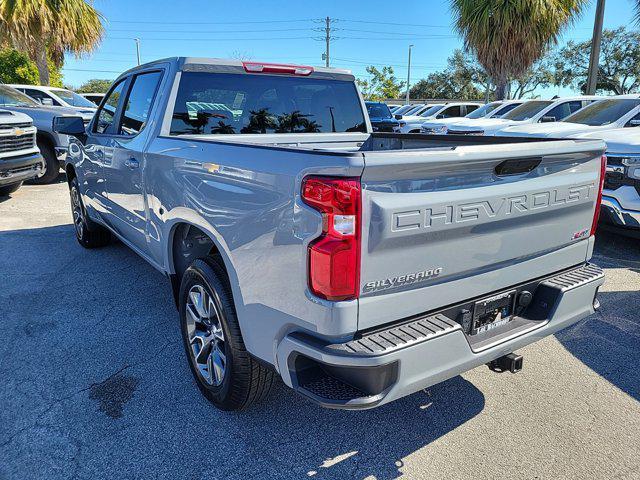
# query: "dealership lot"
x,y
95,384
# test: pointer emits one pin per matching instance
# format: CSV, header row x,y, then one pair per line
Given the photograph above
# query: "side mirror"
x,y
46,101
633,123
547,119
398,117
69,125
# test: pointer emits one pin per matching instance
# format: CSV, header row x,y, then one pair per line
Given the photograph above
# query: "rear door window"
x,y
216,103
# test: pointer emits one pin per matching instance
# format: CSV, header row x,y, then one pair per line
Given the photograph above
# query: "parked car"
x,y
20,159
359,266
611,113
533,111
403,109
412,124
57,97
53,146
490,110
382,120
621,194
94,98
393,107
413,109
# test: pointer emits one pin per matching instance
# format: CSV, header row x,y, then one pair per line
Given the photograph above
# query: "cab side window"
x,y
107,114
455,111
471,108
564,110
138,104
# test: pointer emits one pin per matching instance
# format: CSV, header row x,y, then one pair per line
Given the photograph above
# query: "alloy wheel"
x,y
78,212
206,337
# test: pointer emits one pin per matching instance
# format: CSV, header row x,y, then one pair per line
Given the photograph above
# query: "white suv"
x,y
533,111
490,110
615,112
412,124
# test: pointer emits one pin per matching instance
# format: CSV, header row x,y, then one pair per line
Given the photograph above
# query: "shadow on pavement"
x,y
610,344
104,390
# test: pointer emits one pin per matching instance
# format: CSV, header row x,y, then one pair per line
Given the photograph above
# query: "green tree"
x,y
16,67
459,80
382,84
508,36
619,68
47,29
541,74
95,85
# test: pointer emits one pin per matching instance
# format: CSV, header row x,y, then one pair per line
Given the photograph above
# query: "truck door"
x,y
98,152
124,174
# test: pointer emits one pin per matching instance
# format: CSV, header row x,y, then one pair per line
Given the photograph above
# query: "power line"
x,y
137,30
171,22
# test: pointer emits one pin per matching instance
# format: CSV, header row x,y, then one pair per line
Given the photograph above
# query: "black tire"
x,y
244,380
7,190
88,233
51,164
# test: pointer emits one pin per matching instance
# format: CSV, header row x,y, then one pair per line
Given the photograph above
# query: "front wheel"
x,y
51,165
88,233
223,369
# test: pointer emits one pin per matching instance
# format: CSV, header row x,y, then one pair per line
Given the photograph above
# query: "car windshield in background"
x,y
403,110
209,103
73,98
527,110
10,97
603,112
483,110
503,110
378,110
431,111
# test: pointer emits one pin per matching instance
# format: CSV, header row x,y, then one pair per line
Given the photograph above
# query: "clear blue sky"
x,y
367,33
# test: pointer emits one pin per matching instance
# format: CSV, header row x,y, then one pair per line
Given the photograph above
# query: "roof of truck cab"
x,y
180,62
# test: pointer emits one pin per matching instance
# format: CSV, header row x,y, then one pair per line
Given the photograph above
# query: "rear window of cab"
x,y
217,103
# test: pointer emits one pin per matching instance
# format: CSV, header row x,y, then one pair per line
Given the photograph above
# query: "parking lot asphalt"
x,y
95,384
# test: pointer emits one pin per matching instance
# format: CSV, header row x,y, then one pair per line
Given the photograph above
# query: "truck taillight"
x,y
334,257
596,213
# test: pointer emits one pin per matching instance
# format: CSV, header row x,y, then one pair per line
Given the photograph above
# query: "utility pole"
x,y
408,74
327,31
594,58
137,40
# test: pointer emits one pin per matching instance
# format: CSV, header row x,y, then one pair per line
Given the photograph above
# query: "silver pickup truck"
x,y
359,267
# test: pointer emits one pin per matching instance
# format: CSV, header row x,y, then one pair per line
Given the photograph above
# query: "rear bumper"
x,y
407,357
21,168
613,213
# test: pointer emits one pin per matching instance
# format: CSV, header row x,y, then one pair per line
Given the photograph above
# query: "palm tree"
x,y
508,36
47,29
637,14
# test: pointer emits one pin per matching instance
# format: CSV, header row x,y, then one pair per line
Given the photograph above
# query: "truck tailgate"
x,y
443,226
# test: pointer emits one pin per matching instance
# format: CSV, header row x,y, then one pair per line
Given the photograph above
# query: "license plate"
x,y
493,312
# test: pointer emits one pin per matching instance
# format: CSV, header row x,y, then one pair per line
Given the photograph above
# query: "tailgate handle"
x,y
517,166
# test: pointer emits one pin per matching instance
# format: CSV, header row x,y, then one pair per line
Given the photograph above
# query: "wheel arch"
x,y
188,240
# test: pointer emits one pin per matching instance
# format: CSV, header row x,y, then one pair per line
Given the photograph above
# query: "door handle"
x,y
132,163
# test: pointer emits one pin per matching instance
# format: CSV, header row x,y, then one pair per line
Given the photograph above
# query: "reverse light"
x,y
596,213
281,68
334,257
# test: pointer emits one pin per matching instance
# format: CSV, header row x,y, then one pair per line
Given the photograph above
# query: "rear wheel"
x,y
88,233
223,369
51,164
7,190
